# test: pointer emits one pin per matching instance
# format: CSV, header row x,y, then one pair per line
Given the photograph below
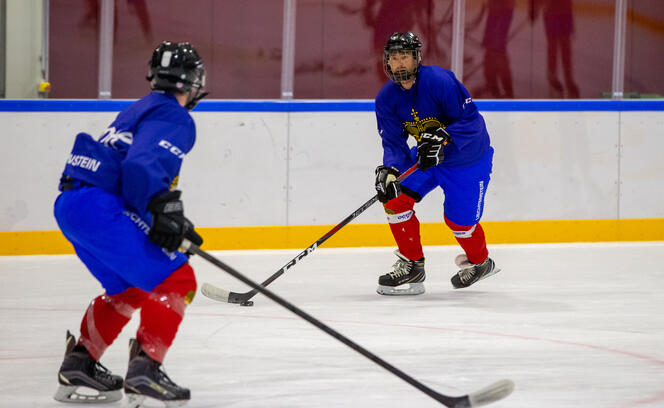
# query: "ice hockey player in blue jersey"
x,y
453,152
121,211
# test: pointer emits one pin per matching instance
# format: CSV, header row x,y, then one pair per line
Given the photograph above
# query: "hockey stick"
x,y
223,295
492,393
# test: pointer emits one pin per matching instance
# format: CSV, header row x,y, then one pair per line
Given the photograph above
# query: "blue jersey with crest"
x,y
140,154
436,98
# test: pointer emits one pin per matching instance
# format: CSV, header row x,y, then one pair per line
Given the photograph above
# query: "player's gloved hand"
x,y
430,151
169,225
387,186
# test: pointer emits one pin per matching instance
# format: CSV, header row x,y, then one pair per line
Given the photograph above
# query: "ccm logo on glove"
x,y
430,150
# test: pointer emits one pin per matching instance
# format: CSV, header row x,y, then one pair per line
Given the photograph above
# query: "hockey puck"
x,y
247,303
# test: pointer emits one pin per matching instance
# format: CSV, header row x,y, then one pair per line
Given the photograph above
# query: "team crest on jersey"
x,y
113,138
417,126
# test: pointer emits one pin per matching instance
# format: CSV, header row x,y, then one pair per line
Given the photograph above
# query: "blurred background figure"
x,y
136,7
559,27
496,66
384,17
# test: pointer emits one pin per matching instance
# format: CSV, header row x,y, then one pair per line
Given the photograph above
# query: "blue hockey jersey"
x,y
436,99
139,154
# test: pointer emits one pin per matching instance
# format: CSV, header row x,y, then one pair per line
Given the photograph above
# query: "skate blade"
x,y
133,401
137,400
493,272
402,290
71,394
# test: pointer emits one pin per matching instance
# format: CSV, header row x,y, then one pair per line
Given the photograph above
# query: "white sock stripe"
x,y
123,308
94,343
398,218
465,234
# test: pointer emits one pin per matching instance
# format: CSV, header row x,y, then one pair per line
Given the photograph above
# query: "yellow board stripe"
x,y
371,235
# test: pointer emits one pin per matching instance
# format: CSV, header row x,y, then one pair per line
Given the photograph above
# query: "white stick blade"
x,y
494,392
214,293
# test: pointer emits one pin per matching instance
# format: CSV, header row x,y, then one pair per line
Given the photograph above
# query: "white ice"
x,y
573,325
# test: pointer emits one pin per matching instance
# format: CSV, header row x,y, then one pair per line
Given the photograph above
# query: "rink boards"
x,y
279,174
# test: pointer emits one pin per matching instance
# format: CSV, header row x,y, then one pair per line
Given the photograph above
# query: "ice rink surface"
x,y
573,325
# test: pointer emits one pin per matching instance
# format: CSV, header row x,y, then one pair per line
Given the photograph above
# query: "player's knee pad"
x,y
460,231
399,209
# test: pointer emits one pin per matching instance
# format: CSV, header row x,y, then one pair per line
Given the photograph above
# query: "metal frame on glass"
x,y
3,29
620,32
106,13
45,40
288,50
288,47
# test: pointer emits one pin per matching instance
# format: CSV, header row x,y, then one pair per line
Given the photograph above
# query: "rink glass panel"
x,y
239,41
539,48
512,48
74,44
644,49
339,44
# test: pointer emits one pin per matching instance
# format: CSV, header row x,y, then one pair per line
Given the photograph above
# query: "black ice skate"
x,y
471,273
146,378
406,279
78,370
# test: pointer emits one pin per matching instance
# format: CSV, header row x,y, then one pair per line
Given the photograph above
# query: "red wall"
x,y
513,48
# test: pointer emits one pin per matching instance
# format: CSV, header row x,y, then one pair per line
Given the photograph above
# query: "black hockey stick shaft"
x,y
455,402
234,297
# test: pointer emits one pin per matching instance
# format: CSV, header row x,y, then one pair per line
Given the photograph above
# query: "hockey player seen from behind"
x,y
453,152
120,210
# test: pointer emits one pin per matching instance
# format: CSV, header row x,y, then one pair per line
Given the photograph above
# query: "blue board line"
x,y
514,105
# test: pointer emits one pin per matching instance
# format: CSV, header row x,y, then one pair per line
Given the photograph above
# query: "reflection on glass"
x,y
135,7
644,49
559,27
239,40
73,50
339,44
538,48
497,72
512,48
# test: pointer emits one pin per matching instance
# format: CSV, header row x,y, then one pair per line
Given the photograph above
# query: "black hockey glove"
x,y
430,150
387,186
169,225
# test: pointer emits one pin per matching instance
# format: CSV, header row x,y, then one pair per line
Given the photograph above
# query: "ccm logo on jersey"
x,y
173,149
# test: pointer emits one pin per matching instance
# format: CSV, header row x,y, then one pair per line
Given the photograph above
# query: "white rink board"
x,y
237,172
553,165
35,147
642,165
271,168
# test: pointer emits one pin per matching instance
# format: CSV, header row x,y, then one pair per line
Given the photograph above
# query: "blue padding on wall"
x,y
63,105
570,105
93,105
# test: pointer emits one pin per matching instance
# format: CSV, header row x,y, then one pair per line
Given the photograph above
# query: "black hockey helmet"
x,y
402,42
177,67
